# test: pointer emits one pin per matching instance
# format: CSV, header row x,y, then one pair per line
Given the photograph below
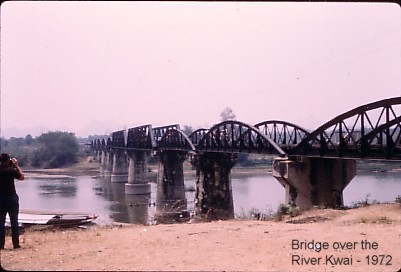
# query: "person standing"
x,y
9,200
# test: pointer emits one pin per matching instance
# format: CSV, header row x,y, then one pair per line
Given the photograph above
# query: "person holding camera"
x,y
9,201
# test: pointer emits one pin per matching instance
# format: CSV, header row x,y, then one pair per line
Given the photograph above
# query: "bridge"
x,y
313,166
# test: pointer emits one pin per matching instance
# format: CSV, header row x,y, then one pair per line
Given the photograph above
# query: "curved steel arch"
x,y
337,138
283,133
197,135
235,136
175,139
384,141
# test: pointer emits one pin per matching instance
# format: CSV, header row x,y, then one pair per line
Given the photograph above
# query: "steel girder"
x,y
96,144
140,138
235,137
159,132
101,144
350,134
118,140
108,144
285,134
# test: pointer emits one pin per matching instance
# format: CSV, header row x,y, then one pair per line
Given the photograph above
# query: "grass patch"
x,y
255,214
284,210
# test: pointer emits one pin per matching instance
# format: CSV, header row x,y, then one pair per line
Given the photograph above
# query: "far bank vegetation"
x,y
49,150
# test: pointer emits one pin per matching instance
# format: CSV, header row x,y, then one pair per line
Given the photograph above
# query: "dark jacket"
x,y
7,176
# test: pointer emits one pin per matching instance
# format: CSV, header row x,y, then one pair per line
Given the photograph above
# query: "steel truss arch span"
x,y
383,142
197,135
343,135
175,139
287,135
235,137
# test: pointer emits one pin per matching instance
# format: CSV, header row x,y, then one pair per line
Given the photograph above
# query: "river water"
x,y
90,195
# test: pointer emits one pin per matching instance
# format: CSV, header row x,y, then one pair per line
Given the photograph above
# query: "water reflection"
x,y
171,202
138,208
381,187
124,208
58,188
262,193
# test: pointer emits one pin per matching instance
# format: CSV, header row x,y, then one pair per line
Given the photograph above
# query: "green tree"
x,y
15,147
227,114
15,143
56,149
28,140
3,143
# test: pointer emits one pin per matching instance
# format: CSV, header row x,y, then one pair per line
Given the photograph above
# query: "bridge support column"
x,y
97,156
214,198
312,182
102,167
119,169
106,163
171,203
137,181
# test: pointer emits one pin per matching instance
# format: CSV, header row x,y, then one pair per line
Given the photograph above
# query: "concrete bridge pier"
x,y
106,163
119,169
102,161
171,203
214,198
316,181
137,181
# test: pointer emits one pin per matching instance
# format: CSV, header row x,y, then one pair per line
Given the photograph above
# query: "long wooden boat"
x,y
54,219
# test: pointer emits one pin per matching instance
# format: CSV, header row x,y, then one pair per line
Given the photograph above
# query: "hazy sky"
x,y
96,67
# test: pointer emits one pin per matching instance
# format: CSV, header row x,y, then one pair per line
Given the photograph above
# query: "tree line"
x,y
49,150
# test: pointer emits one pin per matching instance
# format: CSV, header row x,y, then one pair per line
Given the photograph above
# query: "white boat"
x,y
55,219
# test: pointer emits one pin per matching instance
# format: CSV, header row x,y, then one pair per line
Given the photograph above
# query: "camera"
x,y
11,163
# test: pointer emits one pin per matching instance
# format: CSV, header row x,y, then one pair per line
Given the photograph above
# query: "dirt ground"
x,y
363,239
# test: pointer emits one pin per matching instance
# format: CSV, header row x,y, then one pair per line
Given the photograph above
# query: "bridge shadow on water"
x,y
144,209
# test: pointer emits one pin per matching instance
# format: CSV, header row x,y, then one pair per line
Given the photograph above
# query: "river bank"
x,y
89,168
83,167
233,245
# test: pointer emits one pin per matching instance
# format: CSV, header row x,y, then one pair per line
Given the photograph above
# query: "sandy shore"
x,y
371,237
